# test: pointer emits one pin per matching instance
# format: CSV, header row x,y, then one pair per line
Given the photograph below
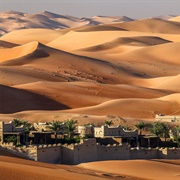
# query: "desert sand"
x,y
117,67
12,167
58,67
15,168
143,169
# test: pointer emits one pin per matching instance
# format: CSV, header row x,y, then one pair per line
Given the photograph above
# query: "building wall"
x,y
49,154
125,133
67,154
112,131
173,118
173,153
113,152
41,126
86,130
89,150
9,127
86,151
1,131
143,153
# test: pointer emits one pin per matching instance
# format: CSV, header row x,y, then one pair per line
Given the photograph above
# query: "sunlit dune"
x,y
133,107
92,67
88,93
176,19
151,25
26,101
13,168
40,35
138,168
17,52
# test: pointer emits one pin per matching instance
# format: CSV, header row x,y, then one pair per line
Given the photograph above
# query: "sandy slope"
x,y
88,93
13,20
129,69
150,170
40,35
133,107
177,19
12,168
26,101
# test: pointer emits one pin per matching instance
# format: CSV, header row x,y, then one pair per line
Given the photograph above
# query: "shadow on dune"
x,y
14,100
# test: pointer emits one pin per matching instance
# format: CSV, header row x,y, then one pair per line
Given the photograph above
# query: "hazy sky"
x,y
131,8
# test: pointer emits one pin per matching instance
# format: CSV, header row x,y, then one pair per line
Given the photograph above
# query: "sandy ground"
x,y
129,69
14,168
145,169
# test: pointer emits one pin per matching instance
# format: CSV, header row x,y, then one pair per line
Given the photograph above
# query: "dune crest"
x,y
96,66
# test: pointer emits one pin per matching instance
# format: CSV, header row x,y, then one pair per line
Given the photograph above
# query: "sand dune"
x,y
126,43
151,25
98,66
15,100
88,93
4,44
133,107
166,83
138,168
177,19
165,17
49,20
70,41
40,35
166,53
17,52
12,168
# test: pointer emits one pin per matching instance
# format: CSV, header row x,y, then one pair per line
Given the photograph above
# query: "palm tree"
x,y
19,122
160,129
126,127
56,126
140,126
176,134
109,123
70,127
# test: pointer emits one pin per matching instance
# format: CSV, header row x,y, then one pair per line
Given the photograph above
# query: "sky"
x,y
89,8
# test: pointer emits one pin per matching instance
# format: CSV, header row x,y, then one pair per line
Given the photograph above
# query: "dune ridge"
x,y
94,66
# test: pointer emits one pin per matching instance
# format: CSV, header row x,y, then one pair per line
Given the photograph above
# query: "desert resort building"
x,y
104,143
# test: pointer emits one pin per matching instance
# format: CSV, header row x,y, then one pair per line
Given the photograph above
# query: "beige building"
x,y
9,129
106,131
166,118
41,127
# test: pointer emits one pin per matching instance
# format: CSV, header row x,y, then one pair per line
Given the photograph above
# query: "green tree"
x,y
160,129
140,126
176,134
10,139
109,123
56,127
70,127
126,128
19,122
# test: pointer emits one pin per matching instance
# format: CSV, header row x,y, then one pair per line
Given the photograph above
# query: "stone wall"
x,y
49,153
144,153
28,152
89,150
86,151
113,152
